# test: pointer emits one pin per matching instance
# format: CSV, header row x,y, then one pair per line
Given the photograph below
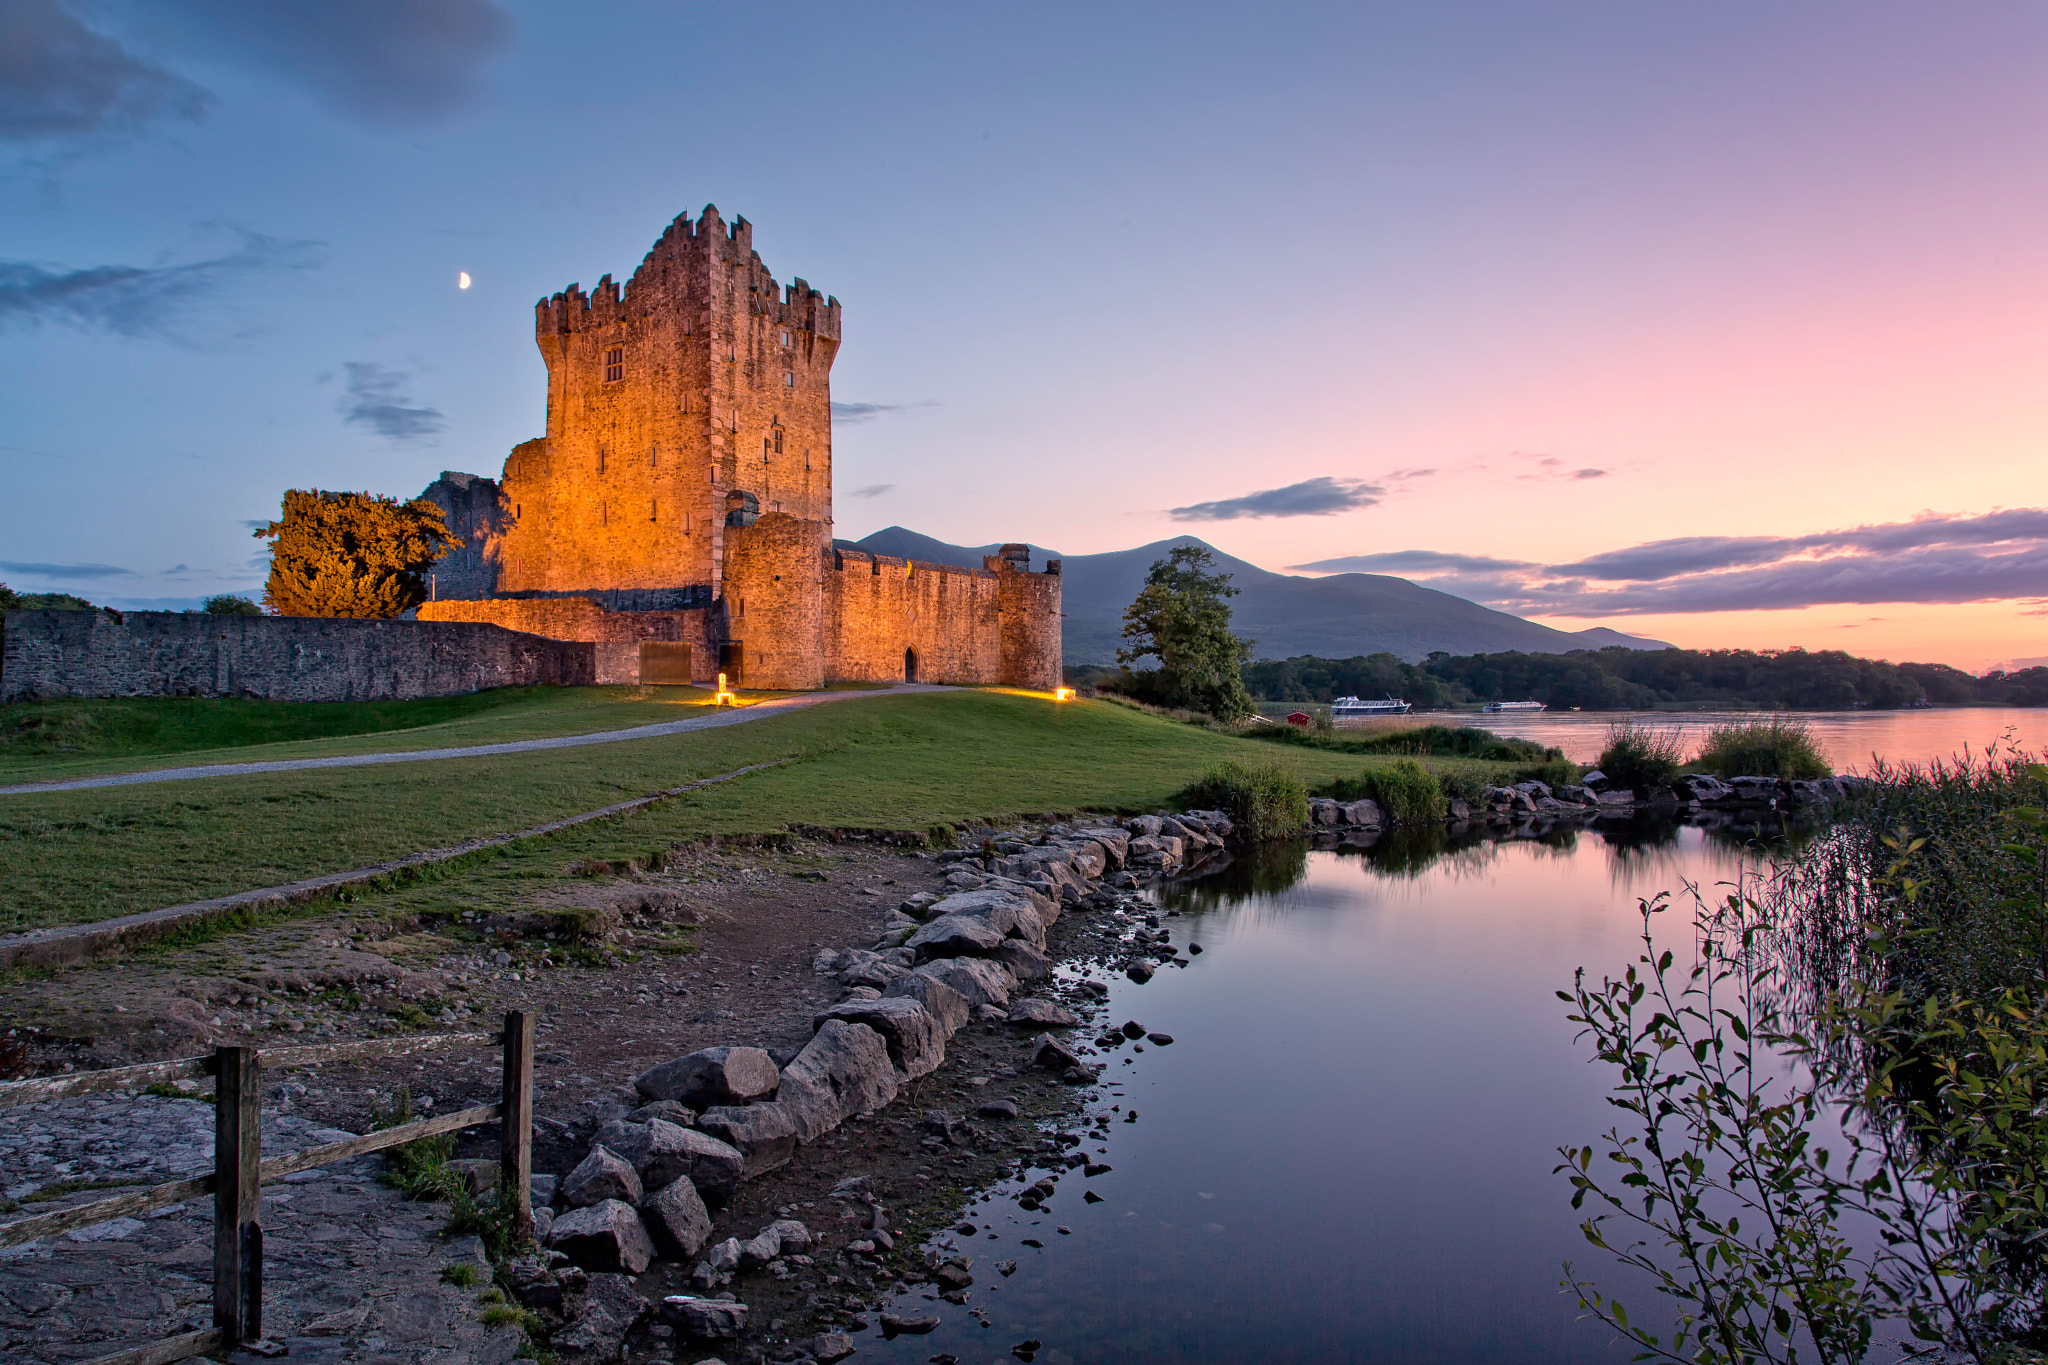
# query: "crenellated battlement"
x,y
690,252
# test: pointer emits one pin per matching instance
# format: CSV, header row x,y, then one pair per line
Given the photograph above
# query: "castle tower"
x,y
701,377
1029,604
774,602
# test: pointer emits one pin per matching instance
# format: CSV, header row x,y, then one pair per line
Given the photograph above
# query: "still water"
x,y
1345,1154
1849,739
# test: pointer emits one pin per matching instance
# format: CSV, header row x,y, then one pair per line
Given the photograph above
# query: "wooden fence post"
x,y
515,1128
237,1153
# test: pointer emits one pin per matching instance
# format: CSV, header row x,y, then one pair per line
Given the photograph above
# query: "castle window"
x,y
614,363
778,440
650,510
785,338
765,447
789,379
600,459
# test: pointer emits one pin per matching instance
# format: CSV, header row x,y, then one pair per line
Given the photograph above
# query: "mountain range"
x,y
1335,617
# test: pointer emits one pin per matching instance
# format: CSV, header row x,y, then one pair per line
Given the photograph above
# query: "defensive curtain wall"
x,y
49,654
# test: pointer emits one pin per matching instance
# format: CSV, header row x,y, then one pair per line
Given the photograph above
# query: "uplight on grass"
x,y
1063,694
726,697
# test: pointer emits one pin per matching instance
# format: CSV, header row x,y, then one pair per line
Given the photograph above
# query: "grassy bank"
x,y
901,762
42,741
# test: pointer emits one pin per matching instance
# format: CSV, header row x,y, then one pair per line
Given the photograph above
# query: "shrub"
x,y
228,604
1461,786
1641,758
1265,800
1558,772
1407,793
1771,746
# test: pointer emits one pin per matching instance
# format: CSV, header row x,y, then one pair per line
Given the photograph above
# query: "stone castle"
x,y
678,512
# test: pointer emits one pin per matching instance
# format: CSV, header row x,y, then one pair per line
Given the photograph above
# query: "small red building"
x,y
1301,718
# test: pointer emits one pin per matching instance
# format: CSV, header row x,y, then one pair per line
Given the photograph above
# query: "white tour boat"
x,y
1351,708
1496,707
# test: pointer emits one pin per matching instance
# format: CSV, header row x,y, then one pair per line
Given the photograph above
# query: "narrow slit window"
x,y
778,440
765,446
789,379
614,363
651,510
785,338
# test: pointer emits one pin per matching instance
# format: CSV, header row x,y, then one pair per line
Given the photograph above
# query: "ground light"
x,y
725,696
1063,694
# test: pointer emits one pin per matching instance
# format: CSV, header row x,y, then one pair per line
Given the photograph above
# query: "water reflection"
x,y
1346,1153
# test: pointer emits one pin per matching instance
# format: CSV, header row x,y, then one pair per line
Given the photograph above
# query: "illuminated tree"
x,y
351,554
1180,617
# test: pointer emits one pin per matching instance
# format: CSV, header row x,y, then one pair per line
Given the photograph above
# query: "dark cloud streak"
x,y
1932,559
134,300
59,79
378,397
389,62
1318,497
66,572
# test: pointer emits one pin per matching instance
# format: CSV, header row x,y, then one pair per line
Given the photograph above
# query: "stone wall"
x,y
617,634
48,654
1031,620
877,607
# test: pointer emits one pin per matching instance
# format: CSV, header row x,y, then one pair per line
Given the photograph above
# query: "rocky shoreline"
x,y
971,964
1533,803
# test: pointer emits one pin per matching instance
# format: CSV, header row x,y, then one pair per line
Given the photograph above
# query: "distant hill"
x,y
1334,617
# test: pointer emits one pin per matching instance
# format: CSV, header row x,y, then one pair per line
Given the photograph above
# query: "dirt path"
x,y
737,716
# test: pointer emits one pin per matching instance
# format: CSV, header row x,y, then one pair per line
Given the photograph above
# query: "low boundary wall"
x,y
50,654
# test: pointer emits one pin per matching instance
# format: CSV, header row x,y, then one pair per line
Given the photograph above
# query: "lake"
x,y
1346,1152
1848,738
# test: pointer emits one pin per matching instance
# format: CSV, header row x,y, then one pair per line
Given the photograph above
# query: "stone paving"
x,y
352,1270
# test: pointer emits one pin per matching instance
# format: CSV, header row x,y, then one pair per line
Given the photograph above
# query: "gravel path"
x,y
352,1273
738,716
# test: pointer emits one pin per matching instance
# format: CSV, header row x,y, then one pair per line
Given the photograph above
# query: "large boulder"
x,y
1364,814
947,1007
599,1321
659,1151
606,1237
676,1219
706,1319
716,1075
917,1043
955,936
763,1134
1025,962
844,1070
1042,1014
1324,812
862,967
666,1152
600,1176
979,982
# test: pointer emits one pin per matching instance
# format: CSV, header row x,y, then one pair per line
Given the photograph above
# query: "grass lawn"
x,y
900,762
43,741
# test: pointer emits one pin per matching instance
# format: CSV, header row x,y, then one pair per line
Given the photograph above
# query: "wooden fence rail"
x,y
240,1171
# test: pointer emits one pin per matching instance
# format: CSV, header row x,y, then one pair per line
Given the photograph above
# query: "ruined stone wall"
x,y
470,505
616,633
47,654
878,606
774,608
701,376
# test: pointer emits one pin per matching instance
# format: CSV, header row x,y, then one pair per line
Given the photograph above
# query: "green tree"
x,y
9,598
230,604
351,554
1180,617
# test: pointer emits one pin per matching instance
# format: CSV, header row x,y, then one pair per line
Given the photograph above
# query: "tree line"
x,y
1618,678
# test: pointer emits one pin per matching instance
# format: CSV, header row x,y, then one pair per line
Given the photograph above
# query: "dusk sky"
x,y
1725,323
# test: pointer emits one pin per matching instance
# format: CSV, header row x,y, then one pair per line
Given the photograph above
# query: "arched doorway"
x,y
910,665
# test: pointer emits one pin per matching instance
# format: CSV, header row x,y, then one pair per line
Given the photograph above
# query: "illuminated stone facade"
x,y
683,493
